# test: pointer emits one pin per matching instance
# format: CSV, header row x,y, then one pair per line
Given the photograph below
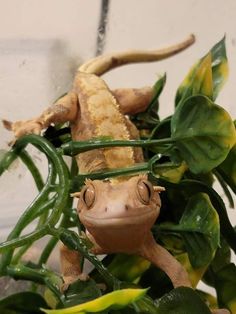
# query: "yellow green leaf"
x,y
203,78
207,76
220,68
115,300
198,81
173,175
195,274
128,267
209,299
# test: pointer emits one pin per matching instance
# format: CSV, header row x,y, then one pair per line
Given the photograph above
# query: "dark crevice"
x,y
102,27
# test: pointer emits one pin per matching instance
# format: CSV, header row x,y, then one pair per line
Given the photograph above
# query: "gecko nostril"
x,y
105,209
126,207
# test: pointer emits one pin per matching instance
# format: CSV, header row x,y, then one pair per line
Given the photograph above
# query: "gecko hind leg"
x,y
133,100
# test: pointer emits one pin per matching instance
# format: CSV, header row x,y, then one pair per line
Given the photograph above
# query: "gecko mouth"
x,y
118,222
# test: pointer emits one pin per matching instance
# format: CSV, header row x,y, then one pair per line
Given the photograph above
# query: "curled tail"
x,y
105,63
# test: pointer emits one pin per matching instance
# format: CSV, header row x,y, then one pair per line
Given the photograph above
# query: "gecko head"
x,y
112,210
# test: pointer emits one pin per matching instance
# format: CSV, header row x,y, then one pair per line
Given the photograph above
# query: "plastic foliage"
x,y
185,152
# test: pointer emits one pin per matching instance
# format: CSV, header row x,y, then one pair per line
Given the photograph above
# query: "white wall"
x,y
42,43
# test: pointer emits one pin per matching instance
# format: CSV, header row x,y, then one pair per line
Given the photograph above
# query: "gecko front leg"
x,y
160,257
70,266
70,261
65,109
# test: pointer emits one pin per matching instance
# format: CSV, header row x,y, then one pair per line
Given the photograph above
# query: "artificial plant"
x,y
186,153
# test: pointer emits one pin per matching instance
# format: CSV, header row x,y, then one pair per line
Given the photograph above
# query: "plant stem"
x,y
142,167
59,166
47,251
13,238
74,148
225,188
41,211
8,159
39,276
27,160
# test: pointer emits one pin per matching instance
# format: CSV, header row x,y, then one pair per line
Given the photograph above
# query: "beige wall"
x,y
42,43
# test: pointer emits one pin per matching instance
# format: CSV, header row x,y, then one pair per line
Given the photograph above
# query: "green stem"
x,y
63,181
53,241
47,251
46,206
142,167
12,155
227,179
19,253
60,167
148,167
39,212
24,220
74,148
225,188
8,159
39,276
27,160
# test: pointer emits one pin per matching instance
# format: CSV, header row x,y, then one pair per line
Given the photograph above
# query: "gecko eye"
x,y
89,196
145,191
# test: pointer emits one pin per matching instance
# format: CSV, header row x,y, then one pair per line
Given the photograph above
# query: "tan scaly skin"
x,y
118,213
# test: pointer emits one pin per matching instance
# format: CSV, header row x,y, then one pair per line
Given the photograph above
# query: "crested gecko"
x,y
117,213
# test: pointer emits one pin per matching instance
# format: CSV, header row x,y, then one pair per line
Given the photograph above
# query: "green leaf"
x,y
181,300
201,223
226,287
221,259
203,132
157,281
22,303
207,76
153,107
190,187
115,300
145,305
162,130
198,81
194,274
80,292
199,227
172,174
206,177
228,169
208,299
128,267
220,69
222,256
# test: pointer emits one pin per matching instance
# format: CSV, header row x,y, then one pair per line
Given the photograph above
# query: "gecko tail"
x,y
105,63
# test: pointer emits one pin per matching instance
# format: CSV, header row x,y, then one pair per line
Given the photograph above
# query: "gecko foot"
x,y
68,280
21,128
